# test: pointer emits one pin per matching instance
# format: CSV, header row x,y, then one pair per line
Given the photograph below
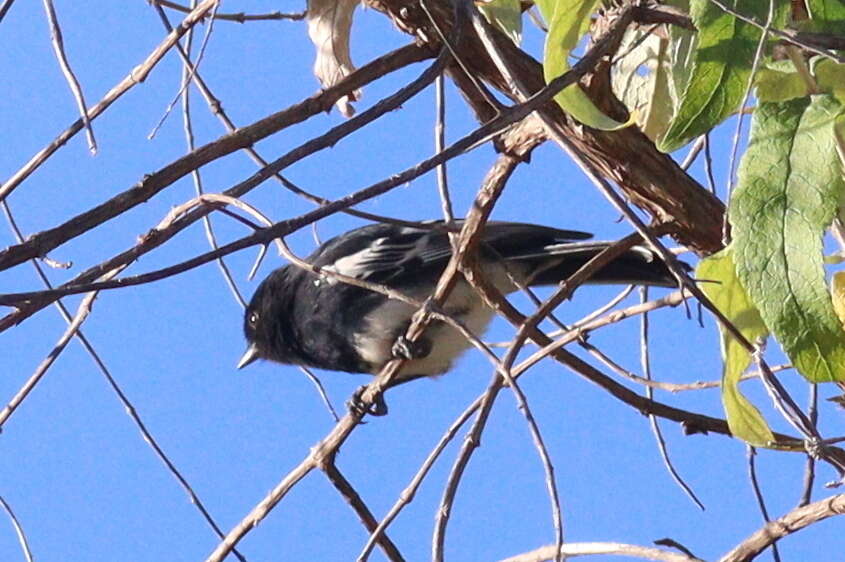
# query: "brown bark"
x,y
649,179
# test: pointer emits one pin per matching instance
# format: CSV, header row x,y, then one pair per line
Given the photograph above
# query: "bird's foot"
x,y
356,404
404,348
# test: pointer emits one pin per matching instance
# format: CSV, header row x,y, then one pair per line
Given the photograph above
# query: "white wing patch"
x,y
379,255
388,253
564,248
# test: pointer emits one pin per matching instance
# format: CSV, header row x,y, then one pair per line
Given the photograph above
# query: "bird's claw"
x,y
356,404
403,348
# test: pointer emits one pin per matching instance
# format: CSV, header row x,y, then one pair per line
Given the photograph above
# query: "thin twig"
x,y
655,427
758,54
128,407
439,145
321,391
450,44
195,174
623,294
693,153
81,314
189,69
216,108
4,7
708,169
73,83
407,495
810,469
352,497
672,299
15,523
574,549
136,76
667,386
758,495
470,443
796,38
239,17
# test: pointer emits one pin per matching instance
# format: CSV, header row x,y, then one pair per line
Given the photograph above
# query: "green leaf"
x,y
682,46
790,186
780,81
505,15
826,16
726,292
568,21
721,68
830,78
775,86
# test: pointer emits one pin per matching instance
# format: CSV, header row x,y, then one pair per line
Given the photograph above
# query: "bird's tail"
x,y
637,266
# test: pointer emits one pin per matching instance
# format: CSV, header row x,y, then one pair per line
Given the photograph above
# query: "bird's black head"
x,y
267,321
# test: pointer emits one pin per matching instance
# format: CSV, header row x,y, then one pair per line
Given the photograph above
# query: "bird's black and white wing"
x,y
385,253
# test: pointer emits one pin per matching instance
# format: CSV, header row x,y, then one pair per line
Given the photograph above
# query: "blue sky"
x,y
85,485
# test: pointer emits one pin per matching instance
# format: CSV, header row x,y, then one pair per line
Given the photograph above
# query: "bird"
x,y
309,318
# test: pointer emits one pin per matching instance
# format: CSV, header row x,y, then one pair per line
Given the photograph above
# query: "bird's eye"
x,y
253,319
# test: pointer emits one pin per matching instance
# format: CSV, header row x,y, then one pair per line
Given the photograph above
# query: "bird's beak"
x,y
250,355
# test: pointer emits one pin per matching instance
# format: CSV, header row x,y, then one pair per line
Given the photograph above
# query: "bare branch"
x,y
810,470
4,7
239,17
468,142
43,242
645,361
574,549
81,314
650,179
18,528
814,42
352,497
328,446
188,69
758,494
216,107
73,83
792,522
128,407
136,76
189,72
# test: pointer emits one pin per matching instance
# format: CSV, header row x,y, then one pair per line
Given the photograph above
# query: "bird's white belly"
x,y
376,343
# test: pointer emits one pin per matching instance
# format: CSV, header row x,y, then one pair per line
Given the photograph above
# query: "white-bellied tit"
x,y
302,318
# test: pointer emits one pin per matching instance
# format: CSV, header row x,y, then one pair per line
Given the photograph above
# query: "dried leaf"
x,y
329,22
